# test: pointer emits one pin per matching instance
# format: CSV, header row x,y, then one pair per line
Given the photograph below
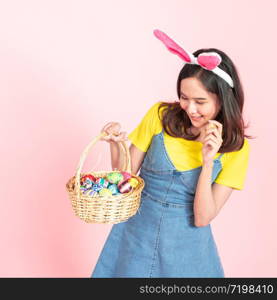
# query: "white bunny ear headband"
x,y
207,60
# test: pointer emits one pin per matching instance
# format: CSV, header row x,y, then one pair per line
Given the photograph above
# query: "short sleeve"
x,y
234,168
150,125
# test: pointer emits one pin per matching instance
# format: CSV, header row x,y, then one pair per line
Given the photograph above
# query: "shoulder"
x,y
244,149
155,114
157,108
240,156
149,126
246,145
234,167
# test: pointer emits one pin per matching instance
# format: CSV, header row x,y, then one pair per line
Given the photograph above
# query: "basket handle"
x,y
127,160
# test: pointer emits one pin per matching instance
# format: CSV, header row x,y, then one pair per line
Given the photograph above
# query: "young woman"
x,y
191,153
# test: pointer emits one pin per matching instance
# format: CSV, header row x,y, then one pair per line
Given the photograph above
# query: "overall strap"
x,y
220,156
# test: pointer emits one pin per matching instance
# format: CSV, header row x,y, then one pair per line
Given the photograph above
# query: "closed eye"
x,y
196,102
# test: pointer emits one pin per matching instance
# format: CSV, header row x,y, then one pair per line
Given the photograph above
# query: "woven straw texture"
x,y
98,209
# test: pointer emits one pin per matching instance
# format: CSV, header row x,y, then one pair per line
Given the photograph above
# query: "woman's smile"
x,y
198,118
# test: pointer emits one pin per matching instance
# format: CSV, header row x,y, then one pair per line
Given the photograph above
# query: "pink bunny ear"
x,y
172,46
209,60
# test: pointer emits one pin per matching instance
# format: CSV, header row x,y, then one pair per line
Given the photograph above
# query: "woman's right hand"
x,y
112,129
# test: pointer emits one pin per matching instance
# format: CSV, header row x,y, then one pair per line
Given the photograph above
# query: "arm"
x,y
209,199
136,157
116,156
114,136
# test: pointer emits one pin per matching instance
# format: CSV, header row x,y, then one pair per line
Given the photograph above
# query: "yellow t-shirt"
x,y
186,154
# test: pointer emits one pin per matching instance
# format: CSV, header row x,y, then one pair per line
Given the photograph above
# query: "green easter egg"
x,y
114,177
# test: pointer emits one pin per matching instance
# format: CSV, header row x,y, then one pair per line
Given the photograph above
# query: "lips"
x,y
196,118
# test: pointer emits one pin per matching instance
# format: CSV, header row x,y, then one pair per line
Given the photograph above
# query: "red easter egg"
x,y
89,176
124,187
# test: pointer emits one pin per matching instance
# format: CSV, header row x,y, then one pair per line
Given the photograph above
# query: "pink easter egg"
x,y
126,175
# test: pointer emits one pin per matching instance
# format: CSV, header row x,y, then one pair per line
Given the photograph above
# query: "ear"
x,y
172,46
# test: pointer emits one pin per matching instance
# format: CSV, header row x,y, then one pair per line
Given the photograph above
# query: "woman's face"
x,y
199,104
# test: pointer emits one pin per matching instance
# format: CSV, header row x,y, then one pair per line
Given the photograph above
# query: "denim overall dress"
x,y
161,240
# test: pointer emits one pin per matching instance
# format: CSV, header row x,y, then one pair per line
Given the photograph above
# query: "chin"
x,y
198,124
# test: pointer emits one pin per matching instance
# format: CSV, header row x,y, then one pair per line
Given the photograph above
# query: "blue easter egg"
x,y
114,189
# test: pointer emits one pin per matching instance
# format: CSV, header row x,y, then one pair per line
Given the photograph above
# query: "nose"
x,y
191,108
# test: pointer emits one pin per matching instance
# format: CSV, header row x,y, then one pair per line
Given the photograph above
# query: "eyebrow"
x,y
194,98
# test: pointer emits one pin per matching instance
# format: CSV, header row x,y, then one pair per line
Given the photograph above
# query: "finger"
x,y
107,126
112,127
213,138
106,130
116,128
216,139
113,131
125,136
211,125
218,136
211,134
217,124
214,132
106,138
211,143
210,128
122,136
116,138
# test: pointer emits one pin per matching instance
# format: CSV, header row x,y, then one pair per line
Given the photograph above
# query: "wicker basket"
x,y
96,209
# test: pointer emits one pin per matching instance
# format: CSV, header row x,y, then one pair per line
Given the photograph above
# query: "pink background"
x,y
69,67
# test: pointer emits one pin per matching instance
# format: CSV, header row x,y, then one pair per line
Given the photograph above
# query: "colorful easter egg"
x,y
83,191
102,181
114,189
114,177
89,176
126,175
92,193
133,182
86,191
124,187
88,183
97,187
105,192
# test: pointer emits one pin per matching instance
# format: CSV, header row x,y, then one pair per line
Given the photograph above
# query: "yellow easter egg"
x,y
133,182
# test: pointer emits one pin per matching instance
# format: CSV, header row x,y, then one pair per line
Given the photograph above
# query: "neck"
x,y
195,131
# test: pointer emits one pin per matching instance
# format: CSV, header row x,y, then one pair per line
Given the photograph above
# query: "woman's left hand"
x,y
212,141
